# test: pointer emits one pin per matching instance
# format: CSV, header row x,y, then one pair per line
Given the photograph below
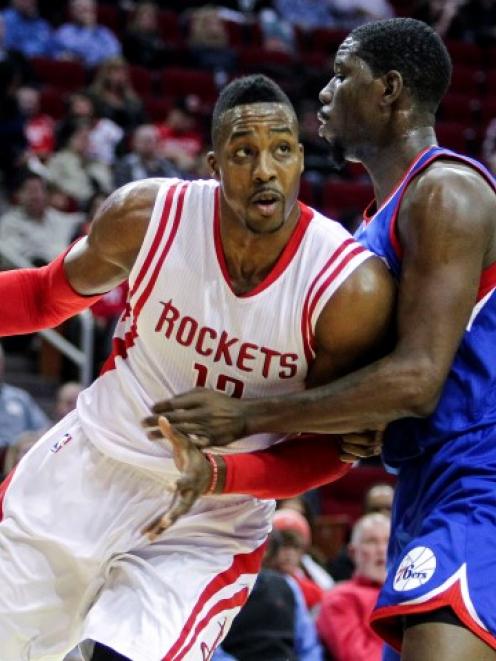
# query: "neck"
x,y
250,257
388,163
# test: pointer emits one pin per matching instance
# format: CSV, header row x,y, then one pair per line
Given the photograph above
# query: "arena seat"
x,y
53,102
182,81
168,24
141,79
340,196
465,53
466,80
453,135
461,108
63,74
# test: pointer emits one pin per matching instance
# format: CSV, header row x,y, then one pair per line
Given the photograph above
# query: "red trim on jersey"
x,y
487,281
306,215
236,601
120,347
387,624
151,282
3,490
156,239
243,563
305,318
367,214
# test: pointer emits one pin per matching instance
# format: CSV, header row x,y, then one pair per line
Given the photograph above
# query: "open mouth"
x,y
266,203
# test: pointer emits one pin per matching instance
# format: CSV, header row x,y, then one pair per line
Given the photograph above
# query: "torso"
x,y
185,326
468,399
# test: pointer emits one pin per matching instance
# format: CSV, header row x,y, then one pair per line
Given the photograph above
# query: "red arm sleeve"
x,y
37,298
286,469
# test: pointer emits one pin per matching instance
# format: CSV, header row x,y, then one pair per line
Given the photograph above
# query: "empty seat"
x,y
452,135
340,197
181,82
64,74
459,108
141,79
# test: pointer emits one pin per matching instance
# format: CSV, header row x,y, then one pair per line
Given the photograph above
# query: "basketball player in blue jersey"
x,y
433,221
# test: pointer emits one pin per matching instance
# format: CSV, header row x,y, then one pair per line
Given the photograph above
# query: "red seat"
x,y
169,26
141,79
306,192
452,135
63,74
459,108
52,102
326,40
466,80
343,197
181,81
254,59
488,111
464,53
157,109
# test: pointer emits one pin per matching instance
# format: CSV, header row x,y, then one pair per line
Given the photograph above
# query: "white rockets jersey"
x,y
185,327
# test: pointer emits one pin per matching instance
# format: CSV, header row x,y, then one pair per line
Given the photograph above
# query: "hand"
x,y
360,446
196,478
207,417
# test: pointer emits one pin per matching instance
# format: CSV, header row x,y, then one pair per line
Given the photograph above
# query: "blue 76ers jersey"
x,y
468,400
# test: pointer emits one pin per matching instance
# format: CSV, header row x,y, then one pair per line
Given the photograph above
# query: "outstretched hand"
x,y
196,478
207,417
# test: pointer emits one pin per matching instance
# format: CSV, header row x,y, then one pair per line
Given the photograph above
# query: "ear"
x,y
302,154
393,86
214,168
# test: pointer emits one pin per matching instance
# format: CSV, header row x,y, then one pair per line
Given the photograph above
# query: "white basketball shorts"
x,y
75,566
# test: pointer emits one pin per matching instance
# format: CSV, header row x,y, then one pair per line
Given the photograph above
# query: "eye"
x,y
284,148
243,152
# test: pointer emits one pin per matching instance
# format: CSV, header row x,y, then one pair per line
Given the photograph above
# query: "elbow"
x,y
423,390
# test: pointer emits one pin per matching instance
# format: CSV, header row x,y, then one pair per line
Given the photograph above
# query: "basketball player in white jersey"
x,y
235,286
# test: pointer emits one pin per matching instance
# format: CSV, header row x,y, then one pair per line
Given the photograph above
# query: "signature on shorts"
x,y
207,651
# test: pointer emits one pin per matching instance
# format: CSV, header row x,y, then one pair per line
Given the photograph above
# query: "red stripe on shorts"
x,y
243,563
386,621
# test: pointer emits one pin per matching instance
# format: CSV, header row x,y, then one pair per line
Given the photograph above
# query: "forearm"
x,y
33,299
367,399
287,469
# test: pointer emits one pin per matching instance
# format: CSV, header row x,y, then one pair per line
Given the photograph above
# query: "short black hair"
x,y
256,88
414,49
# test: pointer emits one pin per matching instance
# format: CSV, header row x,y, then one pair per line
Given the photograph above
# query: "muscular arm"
x,y
445,231
37,298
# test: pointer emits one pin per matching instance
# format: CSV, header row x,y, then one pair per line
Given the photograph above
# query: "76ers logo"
x,y
58,445
416,568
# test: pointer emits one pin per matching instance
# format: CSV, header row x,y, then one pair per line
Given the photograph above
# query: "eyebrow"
x,y
241,133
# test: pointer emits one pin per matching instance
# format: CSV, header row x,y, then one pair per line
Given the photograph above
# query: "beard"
x,y
336,153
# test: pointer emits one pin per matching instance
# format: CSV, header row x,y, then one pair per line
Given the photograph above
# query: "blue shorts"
x,y
442,550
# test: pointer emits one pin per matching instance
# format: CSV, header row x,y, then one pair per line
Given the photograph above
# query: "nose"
x,y
325,95
264,168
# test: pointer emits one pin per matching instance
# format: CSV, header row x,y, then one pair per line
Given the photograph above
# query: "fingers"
x,y
183,500
179,443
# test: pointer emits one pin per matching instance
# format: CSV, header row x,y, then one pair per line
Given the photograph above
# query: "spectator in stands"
x,y
39,128
292,557
180,141
66,398
352,13
377,499
31,229
208,41
274,624
306,14
105,135
142,42
26,32
489,145
114,95
83,39
343,620
72,169
144,159
18,411
14,453
442,15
